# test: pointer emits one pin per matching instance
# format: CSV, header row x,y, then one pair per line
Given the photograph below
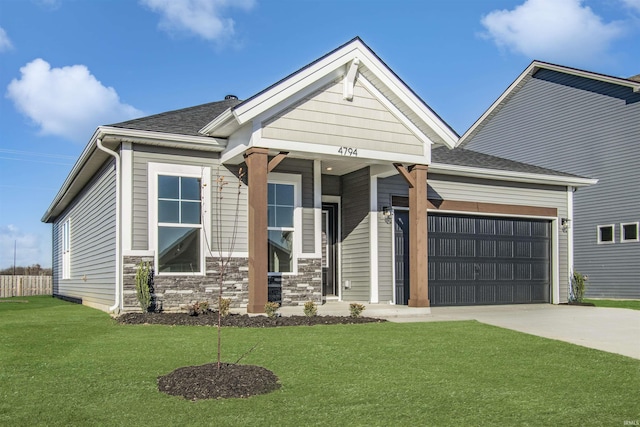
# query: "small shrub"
x,y
199,307
144,277
271,308
578,285
356,309
223,306
310,309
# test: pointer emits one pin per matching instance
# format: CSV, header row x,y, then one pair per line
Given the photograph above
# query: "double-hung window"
x,y
179,195
66,249
282,202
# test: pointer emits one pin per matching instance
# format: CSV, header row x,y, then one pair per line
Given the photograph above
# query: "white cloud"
x,y
5,42
203,18
68,101
553,30
632,4
29,248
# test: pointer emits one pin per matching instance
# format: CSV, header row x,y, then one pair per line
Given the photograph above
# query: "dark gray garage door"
x,y
481,260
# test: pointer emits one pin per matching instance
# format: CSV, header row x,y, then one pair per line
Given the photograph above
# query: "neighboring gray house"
x,y
348,187
587,124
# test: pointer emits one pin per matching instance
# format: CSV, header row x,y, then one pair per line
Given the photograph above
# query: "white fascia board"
x,y
394,110
203,143
449,138
248,110
224,119
502,175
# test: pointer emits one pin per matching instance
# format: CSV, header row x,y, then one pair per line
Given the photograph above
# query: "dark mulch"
x,y
209,382
231,380
238,320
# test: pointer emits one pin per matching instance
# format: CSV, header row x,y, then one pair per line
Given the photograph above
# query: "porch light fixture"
x,y
566,224
387,213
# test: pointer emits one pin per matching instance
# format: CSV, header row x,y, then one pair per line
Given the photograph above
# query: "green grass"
x,y
633,304
65,364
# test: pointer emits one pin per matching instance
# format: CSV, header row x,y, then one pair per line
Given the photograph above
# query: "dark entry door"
x,y
329,249
401,249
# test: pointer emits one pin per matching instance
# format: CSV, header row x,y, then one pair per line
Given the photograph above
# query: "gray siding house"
x,y
336,183
586,124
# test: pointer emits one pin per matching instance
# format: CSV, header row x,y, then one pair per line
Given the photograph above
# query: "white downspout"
x,y
570,191
116,156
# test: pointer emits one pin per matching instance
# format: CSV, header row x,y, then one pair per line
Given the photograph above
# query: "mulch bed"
x,y
209,382
231,380
238,320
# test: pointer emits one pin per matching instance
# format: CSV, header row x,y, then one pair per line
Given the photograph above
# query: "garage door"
x,y
477,260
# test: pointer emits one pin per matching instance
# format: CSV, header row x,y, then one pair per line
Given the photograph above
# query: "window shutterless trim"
x,y
635,238
613,234
296,181
167,169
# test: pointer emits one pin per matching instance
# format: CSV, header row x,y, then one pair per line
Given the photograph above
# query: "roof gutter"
x,y
116,306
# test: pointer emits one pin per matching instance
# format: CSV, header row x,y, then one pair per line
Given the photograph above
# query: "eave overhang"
x,y
511,176
92,159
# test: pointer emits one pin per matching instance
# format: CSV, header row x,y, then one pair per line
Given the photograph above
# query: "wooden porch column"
x,y
418,243
257,161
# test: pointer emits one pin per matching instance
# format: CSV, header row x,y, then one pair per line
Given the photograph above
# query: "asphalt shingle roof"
x,y
186,121
470,158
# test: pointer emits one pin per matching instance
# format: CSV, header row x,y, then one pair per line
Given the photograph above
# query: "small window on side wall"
x,y
629,232
606,234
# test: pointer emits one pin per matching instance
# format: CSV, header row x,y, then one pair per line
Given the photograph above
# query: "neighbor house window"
x,y
629,232
606,234
179,219
66,249
282,201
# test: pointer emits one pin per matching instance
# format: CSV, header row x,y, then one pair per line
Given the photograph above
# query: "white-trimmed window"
x,y
179,218
66,249
606,234
283,222
629,232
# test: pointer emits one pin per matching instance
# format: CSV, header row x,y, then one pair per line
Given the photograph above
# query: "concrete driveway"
x,y
614,330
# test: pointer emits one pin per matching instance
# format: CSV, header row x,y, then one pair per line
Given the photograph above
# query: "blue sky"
x,y
67,66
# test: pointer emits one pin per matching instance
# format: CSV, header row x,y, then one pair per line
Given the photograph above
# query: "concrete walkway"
x,y
614,330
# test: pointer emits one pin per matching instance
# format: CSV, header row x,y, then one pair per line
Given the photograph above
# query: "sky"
x,y
68,66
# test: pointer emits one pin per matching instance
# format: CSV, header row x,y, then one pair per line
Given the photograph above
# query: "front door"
x,y
329,250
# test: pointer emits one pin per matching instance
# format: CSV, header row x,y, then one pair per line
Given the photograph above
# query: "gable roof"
x,y
185,121
333,66
525,76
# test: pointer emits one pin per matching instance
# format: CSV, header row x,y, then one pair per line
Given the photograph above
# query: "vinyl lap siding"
x,y
589,128
326,118
140,214
356,243
93,242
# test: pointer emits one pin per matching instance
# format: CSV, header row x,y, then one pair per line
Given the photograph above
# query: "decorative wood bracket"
x,y
273,163
405,174
350,80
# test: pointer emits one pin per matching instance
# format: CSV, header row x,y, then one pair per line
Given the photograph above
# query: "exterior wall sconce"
x,y
387,213
566,224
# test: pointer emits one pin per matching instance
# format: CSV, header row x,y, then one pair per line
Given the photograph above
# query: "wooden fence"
x,y
22,286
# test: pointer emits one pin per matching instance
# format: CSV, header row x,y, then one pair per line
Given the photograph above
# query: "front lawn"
x,y
65,364
630,303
